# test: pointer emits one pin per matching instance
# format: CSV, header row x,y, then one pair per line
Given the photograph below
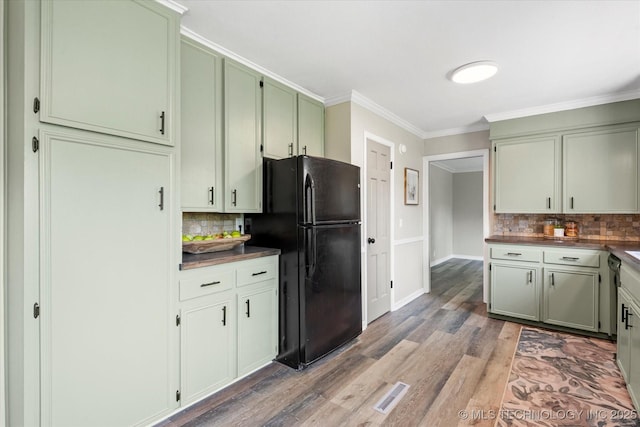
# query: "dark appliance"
x,y
614,284
312,214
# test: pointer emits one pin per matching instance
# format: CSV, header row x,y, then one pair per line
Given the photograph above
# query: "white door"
x,y
378,230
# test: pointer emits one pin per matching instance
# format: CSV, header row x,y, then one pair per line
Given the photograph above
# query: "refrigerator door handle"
x,y
309,201
311,252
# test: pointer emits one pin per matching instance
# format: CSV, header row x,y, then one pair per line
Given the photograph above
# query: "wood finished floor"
x,y
442,344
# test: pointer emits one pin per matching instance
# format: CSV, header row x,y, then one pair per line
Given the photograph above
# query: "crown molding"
x,y
244,61
443,165
563,106
176,7
457,131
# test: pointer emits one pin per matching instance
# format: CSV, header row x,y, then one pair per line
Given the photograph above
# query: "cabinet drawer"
x,y
255,273
205,284
577,258
516,254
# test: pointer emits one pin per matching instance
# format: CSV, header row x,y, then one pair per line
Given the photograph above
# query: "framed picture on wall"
x,y
410,186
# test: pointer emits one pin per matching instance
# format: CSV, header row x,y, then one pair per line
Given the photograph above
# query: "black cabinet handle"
x,y
514,254
570,258
548,202
571,202
161,204
623,313
248,308
162,123
371,240
530,276
553,280
211,195
224,316
204,285
234,201
626,320
304,150
291,149
258,274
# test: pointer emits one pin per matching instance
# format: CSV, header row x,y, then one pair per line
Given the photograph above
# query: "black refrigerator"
x,y
312,214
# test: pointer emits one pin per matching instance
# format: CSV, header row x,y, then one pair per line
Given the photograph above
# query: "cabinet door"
x,y
201,128
280,123
571,299
633,381
527,175
106,324
601,171
624,333
109,66
310,126
243,160
208,346
514,291
257,326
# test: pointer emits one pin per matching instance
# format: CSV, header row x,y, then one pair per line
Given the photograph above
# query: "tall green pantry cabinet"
x,y
92,146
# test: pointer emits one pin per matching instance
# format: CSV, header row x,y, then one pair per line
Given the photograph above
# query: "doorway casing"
x,y
484,153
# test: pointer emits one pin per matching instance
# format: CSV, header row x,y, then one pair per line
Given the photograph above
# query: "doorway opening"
x,y
467,170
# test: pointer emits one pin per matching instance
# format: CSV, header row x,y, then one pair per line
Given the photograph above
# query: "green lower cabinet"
x,y
633,383
257,326
514,291
624,333
208,346
571,299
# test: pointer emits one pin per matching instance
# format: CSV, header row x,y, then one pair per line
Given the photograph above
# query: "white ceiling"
x,y
397,55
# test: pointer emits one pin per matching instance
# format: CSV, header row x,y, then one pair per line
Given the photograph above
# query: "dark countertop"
x,y
616,247
239,253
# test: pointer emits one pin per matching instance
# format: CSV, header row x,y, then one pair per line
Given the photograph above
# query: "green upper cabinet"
x,y
201,128
242,138
310,126
527,175
601,171
280,133
110,67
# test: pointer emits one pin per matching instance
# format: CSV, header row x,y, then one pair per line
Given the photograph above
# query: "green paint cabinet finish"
x,y
601,171
571,298
551,285
242,138
207,346
514,290
527,175
310,126
201,129
257,326
106,321
280,124
229,323
110,67
628,352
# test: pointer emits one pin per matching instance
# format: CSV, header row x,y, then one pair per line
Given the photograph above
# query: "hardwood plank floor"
x,y
442,345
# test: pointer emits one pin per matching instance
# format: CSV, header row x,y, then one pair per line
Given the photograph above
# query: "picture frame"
x,y
411,186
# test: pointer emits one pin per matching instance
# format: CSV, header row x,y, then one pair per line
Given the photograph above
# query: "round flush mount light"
x,y
474,72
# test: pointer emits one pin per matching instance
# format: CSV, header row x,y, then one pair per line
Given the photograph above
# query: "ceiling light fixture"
x,y
474,72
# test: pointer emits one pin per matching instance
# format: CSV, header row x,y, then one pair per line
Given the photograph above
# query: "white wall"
x,y
467,214
441,215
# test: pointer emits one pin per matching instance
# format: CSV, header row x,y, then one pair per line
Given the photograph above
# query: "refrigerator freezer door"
x,y
330,191
330,293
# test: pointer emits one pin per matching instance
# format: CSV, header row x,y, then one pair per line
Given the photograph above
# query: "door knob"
x,y
371,240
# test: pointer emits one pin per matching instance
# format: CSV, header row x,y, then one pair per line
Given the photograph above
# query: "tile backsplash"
x,y
204,223
623,227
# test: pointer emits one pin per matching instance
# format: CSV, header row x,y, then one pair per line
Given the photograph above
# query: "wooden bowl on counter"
x,y
215,245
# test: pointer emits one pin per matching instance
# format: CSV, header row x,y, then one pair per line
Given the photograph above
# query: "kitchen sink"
x,y
635,254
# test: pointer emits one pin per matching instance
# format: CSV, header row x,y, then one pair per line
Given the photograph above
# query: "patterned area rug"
x,y
558,379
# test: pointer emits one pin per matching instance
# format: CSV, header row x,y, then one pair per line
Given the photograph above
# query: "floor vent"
x,y
391,399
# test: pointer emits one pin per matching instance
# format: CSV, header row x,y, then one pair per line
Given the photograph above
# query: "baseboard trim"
x,y
447,258
406,300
